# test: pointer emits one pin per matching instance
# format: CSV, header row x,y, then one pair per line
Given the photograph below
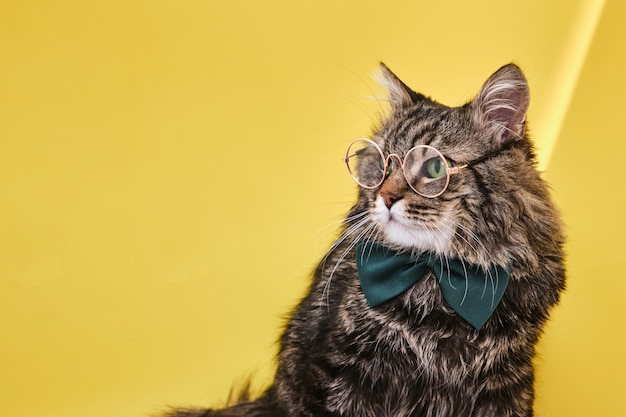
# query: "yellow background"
x,y
170,172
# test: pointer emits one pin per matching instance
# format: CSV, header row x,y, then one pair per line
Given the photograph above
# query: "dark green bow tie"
x,y
470,290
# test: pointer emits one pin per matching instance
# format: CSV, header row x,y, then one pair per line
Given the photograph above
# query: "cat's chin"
x,y
399,231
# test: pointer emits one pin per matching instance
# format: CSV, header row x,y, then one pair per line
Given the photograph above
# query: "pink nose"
x,y
390,198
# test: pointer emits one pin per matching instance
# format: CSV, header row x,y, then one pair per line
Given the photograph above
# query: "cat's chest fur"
x,y
393,356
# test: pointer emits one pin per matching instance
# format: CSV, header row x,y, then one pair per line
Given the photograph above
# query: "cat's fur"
x,y
414,356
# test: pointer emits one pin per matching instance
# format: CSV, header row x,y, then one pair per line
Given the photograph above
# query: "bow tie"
x,y
473,292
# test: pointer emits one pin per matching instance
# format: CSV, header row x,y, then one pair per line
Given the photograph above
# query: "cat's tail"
x,y
265,406
240,410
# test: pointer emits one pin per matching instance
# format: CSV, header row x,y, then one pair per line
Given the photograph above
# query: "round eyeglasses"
x,y
425,169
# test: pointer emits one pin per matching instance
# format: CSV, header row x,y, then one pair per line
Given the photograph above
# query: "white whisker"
x,y
361,228
347,232
489,276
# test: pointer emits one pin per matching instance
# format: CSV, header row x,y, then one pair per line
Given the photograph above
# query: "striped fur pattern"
x,y
413,356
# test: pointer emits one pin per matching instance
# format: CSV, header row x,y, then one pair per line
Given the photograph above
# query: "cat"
x,y
453,185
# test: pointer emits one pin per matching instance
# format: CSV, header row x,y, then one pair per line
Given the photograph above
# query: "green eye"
x,y
435,168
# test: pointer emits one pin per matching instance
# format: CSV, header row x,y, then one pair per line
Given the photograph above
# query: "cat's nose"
x,y
390,198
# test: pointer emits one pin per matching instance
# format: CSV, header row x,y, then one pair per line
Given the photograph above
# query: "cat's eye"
x,y
434,168
390,166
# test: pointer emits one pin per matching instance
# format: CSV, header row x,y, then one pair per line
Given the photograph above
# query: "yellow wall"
x,y
170,172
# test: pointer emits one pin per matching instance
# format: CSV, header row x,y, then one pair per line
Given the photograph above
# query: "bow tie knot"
x,y
472,291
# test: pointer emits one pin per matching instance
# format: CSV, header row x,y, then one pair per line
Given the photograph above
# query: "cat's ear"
x,y
502,104
400,95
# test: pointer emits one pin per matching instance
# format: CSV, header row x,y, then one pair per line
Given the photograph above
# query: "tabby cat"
x,y
432,299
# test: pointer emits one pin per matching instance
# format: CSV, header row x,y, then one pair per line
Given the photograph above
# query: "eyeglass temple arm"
x,y
456,169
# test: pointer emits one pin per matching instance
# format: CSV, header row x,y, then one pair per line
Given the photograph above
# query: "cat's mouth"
x,y
400,230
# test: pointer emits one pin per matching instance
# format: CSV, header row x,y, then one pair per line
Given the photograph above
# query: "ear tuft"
x,y
400,95
502,104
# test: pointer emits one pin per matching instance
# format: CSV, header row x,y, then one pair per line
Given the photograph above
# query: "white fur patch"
x,y
401,231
